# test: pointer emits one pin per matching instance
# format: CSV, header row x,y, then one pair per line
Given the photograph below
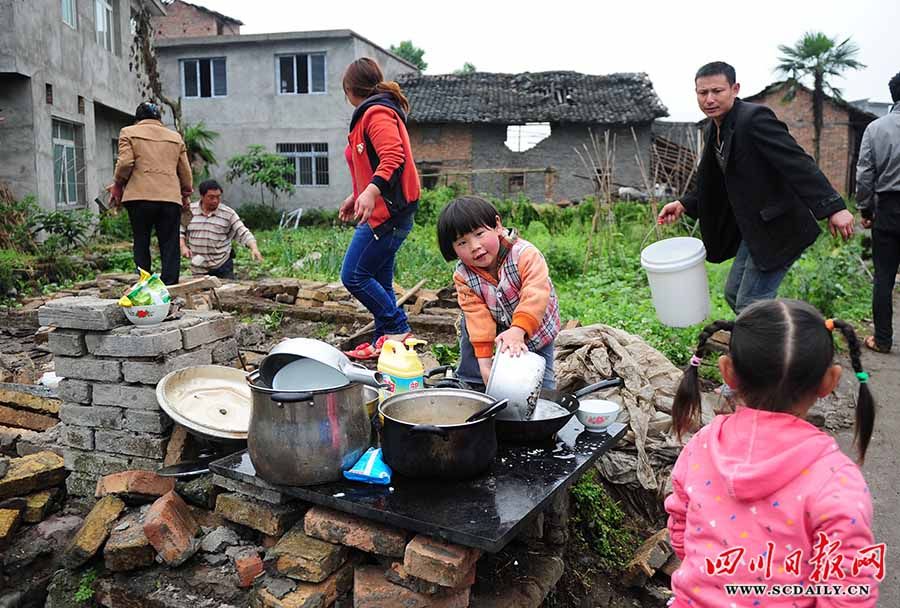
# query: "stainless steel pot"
x,y
306,438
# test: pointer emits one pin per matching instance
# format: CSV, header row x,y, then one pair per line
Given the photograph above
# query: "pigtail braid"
x,y
686,406
865,404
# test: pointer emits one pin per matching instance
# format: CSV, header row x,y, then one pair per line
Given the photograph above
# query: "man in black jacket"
x,y
758,193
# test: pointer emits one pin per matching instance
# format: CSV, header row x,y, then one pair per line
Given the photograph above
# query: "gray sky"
x,y
667,39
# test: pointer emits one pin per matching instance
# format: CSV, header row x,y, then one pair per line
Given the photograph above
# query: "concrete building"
x,y
843,125
510,134
65,91
282,91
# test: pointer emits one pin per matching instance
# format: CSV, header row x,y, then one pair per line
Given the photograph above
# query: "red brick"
x,y
439,562
309,595
170,528
135,485
372,590
344,529
248,566
398,575
186,20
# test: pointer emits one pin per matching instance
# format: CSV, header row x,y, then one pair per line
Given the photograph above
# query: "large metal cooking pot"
x,y
288,351
425,434
306,438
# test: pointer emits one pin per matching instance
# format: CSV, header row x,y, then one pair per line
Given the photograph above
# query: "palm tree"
x,y
818,57
197,140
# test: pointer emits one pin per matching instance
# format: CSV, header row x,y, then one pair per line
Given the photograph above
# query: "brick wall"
x,y
440,149
835,146
185,21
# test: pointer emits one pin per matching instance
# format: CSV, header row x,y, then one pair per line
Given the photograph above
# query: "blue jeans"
x,y
469,372
368,274
747,283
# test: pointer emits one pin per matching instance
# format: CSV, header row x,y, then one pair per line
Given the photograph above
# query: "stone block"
x,y
306,558
217,326
32,473
39,505
439,562
177,446
152,371
88,368
23,419
225,352
131,342
132,444
35,398
145,464
78,437
304,595
262,516
10,520
398,575
248,566
93,533
128,548
200,491
218,540
170,527
372,590
91,416
94,464
146,421
85,312
80,485
137,486
268,495
651,555
74,391
342,528
68,342
135,396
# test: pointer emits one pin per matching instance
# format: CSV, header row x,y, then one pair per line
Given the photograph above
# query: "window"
x,y
103,14
68,13
301,74
48,93
515,183
204,77
310,163
80,104
431,134
68,169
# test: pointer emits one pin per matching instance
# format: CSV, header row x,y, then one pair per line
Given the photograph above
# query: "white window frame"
x,y
70,154
212,77
72,13
312,154
309,81
103,15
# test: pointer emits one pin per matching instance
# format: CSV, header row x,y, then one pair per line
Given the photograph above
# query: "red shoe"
x,y
367,350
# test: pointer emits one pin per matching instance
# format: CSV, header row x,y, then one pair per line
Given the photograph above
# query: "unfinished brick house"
x,y
842,128
183,19
465,129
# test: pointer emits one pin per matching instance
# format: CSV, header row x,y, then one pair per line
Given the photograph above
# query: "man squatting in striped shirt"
x,y
206,239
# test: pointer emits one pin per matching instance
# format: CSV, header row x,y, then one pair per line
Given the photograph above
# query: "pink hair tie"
x,y
696,361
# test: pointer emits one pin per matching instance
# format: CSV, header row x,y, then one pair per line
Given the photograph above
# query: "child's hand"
x,y
512,340
484,366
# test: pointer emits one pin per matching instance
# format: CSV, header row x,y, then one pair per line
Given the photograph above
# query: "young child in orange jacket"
x,y
503,286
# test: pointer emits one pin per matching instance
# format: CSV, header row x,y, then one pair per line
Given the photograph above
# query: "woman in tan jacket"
x,y
152,180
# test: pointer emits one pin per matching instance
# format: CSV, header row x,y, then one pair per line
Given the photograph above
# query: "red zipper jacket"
x,y
378,152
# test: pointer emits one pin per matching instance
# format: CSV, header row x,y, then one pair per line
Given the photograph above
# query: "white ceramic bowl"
x,y
150,314
597,414
518,379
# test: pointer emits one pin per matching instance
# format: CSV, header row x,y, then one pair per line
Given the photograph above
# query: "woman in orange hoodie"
x,y
384,198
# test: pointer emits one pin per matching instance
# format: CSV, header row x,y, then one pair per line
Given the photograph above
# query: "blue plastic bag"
x,y
371,468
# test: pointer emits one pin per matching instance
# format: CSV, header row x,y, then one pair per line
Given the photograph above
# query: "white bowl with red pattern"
x,y
597,414
151,314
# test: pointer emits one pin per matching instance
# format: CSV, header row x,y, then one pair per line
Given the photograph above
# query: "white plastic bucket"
x,y
678,284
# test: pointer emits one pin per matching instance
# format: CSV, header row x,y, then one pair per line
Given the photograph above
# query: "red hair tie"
x,y
829,324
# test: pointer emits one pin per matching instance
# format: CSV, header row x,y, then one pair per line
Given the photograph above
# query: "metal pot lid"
x,y
210,400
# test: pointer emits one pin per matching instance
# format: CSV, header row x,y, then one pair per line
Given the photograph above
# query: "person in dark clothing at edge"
x,y
758,193
384,199
153,180
878,200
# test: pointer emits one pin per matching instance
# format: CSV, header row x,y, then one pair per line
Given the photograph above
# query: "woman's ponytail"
x,y
686,406
865,404
392,88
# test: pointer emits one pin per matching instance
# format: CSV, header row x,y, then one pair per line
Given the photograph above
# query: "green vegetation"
x,y
271,172
598,522
85,591
413,54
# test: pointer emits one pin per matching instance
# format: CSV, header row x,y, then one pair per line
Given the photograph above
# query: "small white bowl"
x,y
151,314
597,414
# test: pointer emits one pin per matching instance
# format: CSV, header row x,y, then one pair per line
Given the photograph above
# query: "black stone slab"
x,y
486,512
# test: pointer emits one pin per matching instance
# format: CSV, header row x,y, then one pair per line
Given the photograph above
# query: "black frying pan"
x,y
525,431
